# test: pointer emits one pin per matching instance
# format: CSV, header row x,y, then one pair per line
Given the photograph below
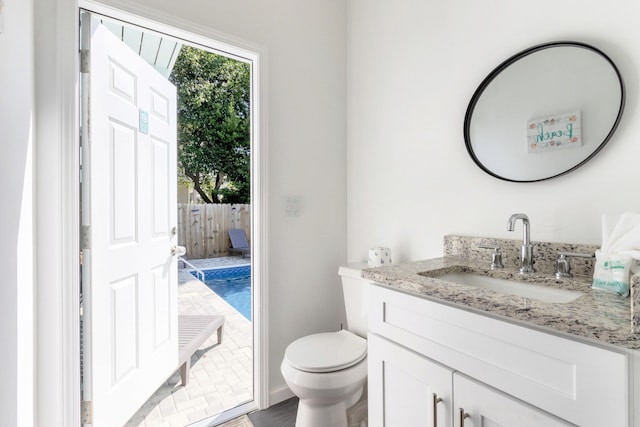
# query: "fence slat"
x,y
204,229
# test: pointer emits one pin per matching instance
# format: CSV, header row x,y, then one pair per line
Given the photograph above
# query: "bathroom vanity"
x,y
450,354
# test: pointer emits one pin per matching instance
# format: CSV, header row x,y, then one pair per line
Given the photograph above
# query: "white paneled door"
x,y
129,280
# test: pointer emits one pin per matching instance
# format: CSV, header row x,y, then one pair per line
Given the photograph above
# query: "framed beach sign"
x,y
554,132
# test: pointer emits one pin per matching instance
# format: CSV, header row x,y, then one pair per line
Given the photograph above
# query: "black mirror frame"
x,y
487,80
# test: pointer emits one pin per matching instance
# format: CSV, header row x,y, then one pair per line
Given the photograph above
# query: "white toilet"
x,y
328,371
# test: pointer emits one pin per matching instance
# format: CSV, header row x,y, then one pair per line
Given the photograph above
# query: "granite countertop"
x,y
596,316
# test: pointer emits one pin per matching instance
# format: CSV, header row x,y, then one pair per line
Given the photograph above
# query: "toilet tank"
x,y
356,297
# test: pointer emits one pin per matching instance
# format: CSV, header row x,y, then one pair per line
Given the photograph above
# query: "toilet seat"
x,y
326,352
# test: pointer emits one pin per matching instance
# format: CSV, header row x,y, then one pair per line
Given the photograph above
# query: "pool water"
x,y
232,284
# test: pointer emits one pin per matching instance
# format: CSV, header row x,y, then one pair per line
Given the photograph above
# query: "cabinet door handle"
x,y
435,400
463,416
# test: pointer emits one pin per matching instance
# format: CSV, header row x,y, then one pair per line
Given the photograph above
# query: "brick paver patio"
x,y
221,376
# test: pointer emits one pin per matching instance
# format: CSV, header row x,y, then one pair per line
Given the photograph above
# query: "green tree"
x,y
213,124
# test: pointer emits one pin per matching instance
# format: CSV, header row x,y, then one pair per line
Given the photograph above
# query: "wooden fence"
x,y
203,229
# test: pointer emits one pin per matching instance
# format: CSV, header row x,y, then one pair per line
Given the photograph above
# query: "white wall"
x,y
16,215
306,65
413,66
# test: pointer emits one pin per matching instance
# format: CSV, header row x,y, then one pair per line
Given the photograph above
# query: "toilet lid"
x,y
326,352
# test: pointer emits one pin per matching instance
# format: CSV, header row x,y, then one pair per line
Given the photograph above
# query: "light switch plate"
x,y
292,206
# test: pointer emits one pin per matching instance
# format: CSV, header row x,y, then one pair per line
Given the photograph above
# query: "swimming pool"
x,y
233,284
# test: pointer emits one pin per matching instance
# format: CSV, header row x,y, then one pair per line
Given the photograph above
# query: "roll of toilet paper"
x,y
379,256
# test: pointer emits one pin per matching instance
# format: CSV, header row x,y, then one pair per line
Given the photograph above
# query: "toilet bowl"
x,y
328,371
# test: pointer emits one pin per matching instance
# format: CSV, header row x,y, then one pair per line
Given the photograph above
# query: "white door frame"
x,y
57,367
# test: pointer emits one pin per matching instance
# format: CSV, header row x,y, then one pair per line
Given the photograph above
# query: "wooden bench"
x,y
193,331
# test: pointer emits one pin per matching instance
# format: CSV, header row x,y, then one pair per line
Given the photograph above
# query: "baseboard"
x,y
279,394
227,415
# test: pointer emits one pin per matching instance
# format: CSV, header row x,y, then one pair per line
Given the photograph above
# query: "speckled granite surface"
x,y
545,253
596,316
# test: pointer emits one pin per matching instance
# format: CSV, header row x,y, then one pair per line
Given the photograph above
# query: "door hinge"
x,y
86,415
85,237
85,60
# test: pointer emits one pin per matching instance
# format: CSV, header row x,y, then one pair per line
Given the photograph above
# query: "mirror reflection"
x,y
544,112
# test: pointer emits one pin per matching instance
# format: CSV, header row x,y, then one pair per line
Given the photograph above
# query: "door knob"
x,y
178,250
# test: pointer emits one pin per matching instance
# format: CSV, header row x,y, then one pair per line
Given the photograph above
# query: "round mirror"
x,y
544,112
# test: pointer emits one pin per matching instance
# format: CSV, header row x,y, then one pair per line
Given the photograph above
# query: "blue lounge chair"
x,y
239,242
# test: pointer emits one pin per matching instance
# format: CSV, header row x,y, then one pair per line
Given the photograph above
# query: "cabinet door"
x,y
406,389
483,406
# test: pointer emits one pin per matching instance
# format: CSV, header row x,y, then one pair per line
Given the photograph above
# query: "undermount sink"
x,y
511,287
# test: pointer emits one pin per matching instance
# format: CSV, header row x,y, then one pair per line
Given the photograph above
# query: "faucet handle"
x,y
496,256
563,268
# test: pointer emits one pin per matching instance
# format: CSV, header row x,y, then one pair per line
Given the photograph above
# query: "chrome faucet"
x,y
526,253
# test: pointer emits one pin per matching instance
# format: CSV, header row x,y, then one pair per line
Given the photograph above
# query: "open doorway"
x,y
212,392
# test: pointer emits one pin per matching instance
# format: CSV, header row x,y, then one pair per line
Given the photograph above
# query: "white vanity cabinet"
x,y
499,373
405,387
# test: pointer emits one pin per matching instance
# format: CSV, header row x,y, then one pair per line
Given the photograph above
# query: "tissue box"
x,y
611,273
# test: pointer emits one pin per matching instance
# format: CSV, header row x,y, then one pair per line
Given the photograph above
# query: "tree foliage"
x,y
213,124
